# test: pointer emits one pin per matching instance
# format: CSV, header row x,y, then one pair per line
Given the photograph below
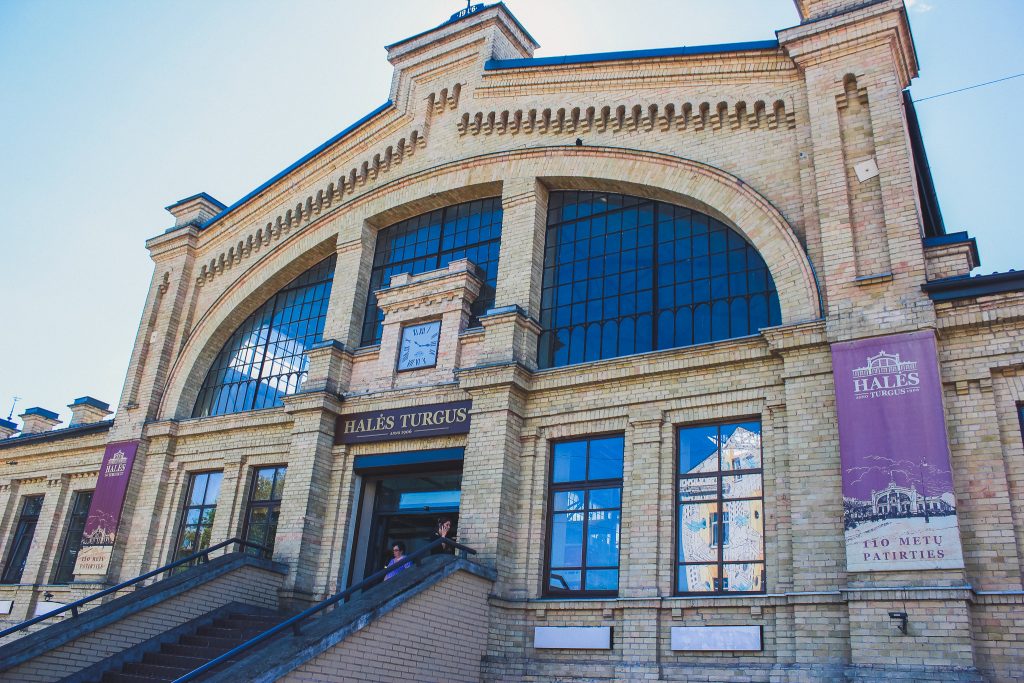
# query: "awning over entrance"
x,y
391,463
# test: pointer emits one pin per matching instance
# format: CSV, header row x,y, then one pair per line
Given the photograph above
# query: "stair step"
x,y
157,671
167,659
224,644
206,653
131,678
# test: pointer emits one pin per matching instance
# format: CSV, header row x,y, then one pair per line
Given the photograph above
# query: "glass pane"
x,y
565,580
278,493
568,500
606,458
32,506
602,579
744,577
603,539
567,539
263,485
697,532
208,515
743,526
698,448
213,488
570,461
741,486
198,489
741,446
192,515
698,488
605,498
697,578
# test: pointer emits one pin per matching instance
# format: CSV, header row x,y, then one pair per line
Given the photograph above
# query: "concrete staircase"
x,y
195,648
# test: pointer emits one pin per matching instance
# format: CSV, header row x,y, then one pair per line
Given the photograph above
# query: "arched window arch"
x,y
263,361
430,241
626,275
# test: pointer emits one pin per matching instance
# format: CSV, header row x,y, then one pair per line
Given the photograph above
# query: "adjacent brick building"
x,y
585,307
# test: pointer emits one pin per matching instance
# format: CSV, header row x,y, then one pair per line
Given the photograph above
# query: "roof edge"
x,y
718,48
297,164
57,434
463,14
966,287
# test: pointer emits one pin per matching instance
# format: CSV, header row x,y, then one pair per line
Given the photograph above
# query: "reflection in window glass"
x,y
77,516
264,359
628,275
430,241
720,509
199,514
31,506
585,516
264,508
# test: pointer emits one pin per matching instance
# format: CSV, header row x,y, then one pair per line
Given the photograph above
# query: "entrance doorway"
x,y
405,509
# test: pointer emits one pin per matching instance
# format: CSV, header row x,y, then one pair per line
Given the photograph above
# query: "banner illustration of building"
x,y
899,509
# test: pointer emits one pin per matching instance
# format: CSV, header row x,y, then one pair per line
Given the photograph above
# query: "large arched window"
x,y
430,241
626,275
263,360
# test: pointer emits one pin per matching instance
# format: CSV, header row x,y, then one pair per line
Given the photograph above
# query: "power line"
x,y
970,87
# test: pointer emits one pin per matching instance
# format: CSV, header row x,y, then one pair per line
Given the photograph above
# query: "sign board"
x,y
899,510
572,637
105,508
439,419
716,638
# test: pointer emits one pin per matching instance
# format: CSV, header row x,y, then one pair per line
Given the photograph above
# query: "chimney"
x,y
87,410
7,429
196,210
38,420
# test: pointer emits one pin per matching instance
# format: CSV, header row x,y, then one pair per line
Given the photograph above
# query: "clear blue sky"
x,y
110,111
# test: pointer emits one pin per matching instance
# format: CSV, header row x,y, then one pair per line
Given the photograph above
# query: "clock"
x,y
418,346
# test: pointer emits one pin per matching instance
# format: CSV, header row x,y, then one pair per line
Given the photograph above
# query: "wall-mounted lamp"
x,y
12,462
47,596
901,617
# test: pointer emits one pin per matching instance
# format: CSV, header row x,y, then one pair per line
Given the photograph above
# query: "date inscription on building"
x,y
415,422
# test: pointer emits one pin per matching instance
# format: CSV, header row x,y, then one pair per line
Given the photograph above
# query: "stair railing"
x,y
202,556
295,623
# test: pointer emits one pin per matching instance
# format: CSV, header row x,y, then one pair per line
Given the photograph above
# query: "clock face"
x,y
418,348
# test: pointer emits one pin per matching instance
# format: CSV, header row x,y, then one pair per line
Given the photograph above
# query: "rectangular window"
x,y
584,517
73,537
264,507
23,533
200,510
720,509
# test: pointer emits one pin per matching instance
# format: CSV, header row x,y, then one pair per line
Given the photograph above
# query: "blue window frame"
x,y
264,359
430,241
584,516
720,509
626,275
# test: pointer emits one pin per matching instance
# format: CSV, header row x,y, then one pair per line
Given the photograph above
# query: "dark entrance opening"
x,y
406,509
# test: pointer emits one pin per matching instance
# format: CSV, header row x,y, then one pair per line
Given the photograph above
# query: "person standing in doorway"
x,y
398,552
443,530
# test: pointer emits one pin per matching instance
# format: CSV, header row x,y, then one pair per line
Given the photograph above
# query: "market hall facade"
x,y
676,339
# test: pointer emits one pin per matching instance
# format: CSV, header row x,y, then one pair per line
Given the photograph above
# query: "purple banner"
x,y
439,419
108,498
898,504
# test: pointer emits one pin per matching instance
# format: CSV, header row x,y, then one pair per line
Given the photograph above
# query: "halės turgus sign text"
x,y
415,422
899,509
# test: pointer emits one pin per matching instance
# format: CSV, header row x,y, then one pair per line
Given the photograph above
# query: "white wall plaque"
x,y
572,637
716,638
6,606
866,170
47,607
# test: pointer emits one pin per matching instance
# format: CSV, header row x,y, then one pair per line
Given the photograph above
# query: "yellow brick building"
x,y
525,294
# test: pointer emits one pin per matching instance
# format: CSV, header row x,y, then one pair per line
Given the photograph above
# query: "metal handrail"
x,y
73,606
293,622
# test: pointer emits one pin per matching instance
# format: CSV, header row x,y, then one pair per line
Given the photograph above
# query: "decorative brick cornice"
x,y
335,192
770,114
